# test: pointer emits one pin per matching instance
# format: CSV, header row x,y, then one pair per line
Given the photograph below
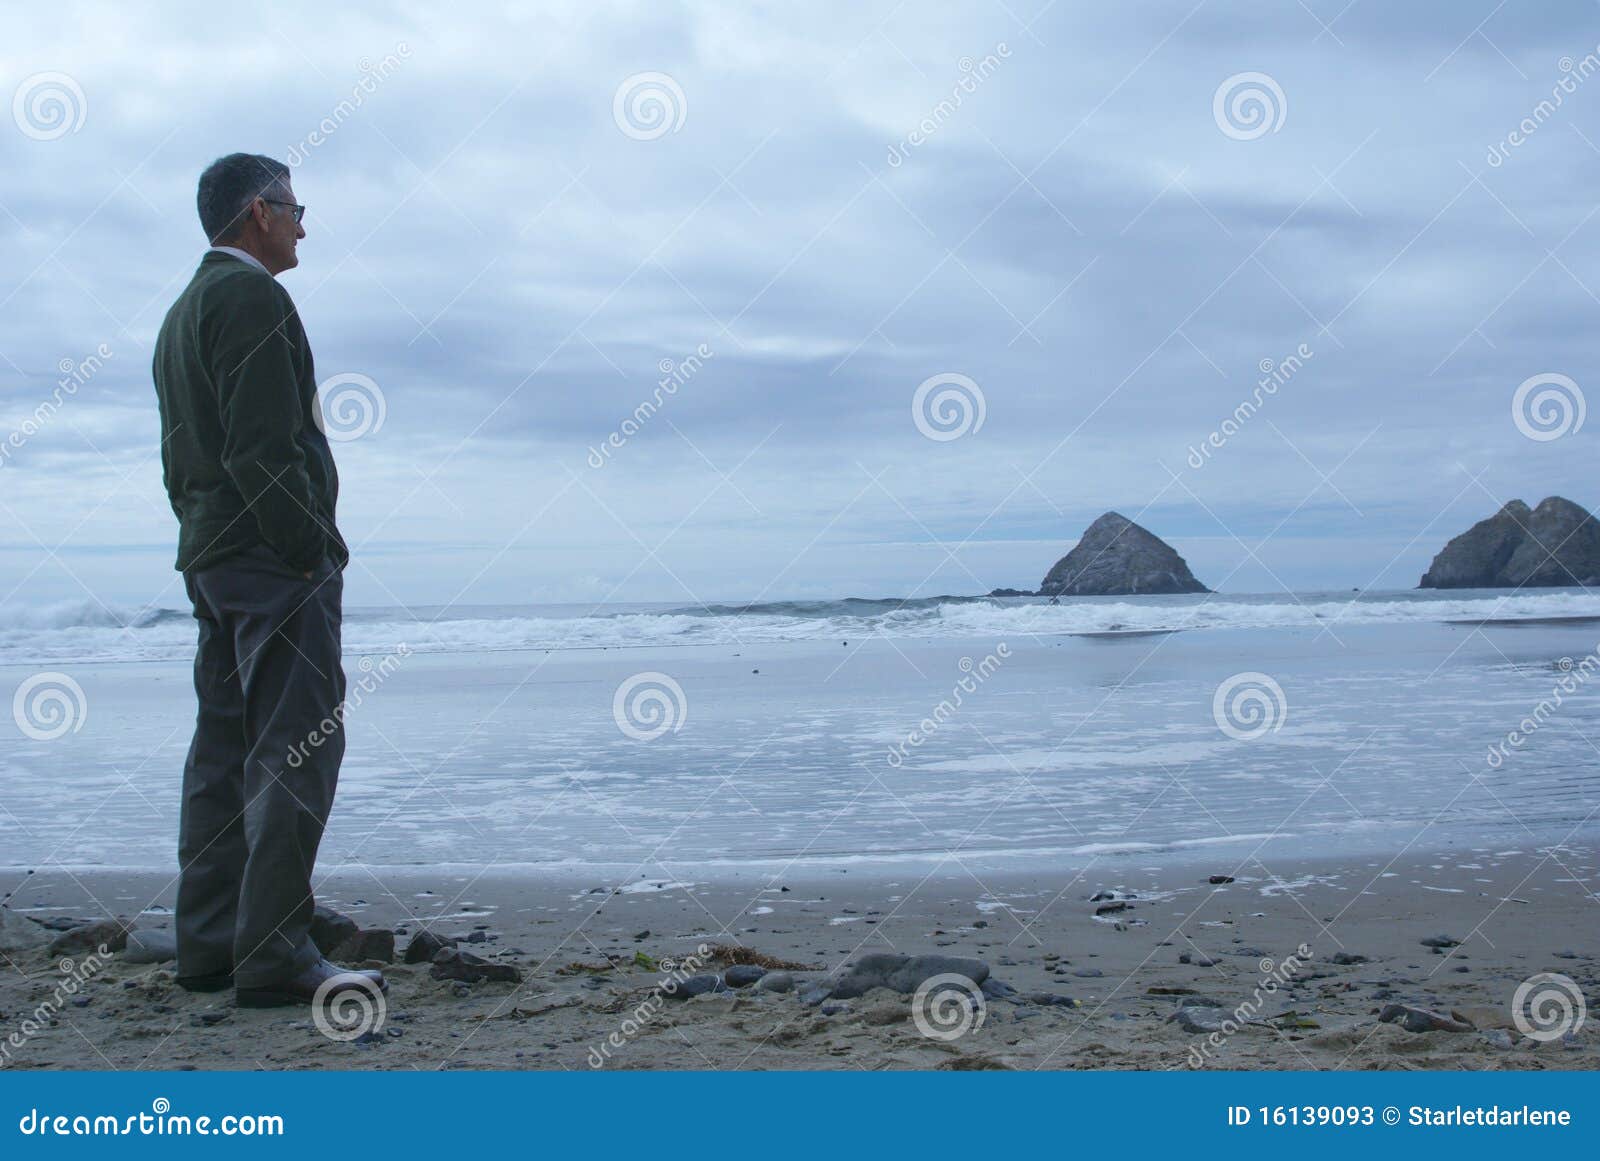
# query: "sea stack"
x,y
1557,543
1116,557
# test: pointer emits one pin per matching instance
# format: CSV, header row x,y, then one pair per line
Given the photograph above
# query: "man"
x,y
252,481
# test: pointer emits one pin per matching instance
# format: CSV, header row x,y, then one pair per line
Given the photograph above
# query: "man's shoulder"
x,y
229,290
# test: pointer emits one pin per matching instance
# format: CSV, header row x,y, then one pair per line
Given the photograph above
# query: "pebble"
x,y
742,975
454,964
425,945
701,985
1440,941
775,982
1420,1019
330,929
1198,1019
151,947
1345,958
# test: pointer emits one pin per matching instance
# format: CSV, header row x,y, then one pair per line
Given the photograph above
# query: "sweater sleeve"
x,y
259,407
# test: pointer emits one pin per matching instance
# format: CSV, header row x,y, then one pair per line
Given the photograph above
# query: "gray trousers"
x,y
259,780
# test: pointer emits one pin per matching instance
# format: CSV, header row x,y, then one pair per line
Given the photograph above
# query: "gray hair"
x,y
229,185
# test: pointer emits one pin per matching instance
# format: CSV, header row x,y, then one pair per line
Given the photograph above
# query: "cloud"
x,y
1074,233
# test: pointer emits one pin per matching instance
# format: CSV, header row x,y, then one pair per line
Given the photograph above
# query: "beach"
x,y
1049,791
1515,915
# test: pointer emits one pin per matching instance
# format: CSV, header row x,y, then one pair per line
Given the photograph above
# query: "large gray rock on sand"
x,y
1557,543
19,933
902,973
1116,557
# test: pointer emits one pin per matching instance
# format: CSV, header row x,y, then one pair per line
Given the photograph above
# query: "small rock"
x,y
112,934
1051,999
1218,880
425,945
329,929
1346,958
1565,954
775,982
151,947
1197,958
1198,1019
742,975
1111,908
1440,942
452,963
1420,1019
638,935
686,989
1088,973
366,944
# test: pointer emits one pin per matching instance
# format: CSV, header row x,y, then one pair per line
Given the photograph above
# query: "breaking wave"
x,y
93,632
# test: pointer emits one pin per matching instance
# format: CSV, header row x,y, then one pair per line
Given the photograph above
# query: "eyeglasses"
x,y
299,210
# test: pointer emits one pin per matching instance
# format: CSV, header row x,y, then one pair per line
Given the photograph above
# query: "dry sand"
x,y
1515,913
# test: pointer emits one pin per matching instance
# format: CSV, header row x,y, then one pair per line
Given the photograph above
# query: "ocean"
x,y
954,733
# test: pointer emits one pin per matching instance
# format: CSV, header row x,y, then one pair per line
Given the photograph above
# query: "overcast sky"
x,y
513,223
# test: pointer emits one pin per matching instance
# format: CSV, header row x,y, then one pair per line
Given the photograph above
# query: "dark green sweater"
x,y
243,457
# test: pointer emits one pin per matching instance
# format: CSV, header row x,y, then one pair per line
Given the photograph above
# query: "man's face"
x,y
280,231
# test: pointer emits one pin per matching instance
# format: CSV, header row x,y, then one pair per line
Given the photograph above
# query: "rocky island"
x,y
1116,557
1557,543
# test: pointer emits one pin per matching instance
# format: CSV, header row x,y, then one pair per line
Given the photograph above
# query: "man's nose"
x,y
299,230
